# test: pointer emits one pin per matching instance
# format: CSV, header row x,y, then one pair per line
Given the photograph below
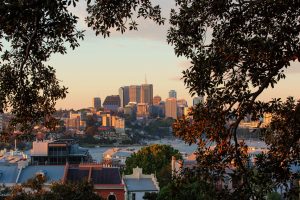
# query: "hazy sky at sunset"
x,y
100,66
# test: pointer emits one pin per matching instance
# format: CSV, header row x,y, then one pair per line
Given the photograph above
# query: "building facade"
x,y
137,184
142,110
147,94
171,108
58,152
111,103
124,95
97,103
135,93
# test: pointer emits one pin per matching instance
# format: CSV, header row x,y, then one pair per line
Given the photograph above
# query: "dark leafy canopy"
x,y
115,14
237,50
32,31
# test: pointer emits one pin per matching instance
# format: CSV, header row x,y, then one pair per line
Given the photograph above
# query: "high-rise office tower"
x,y
147,93
197,100
171,108
97,103
135,93
124,95
156,100
172,94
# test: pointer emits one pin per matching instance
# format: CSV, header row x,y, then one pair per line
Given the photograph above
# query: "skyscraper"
x,y
197,100
97,103
124,95
135,93
172,94
171,108
112,103
147,93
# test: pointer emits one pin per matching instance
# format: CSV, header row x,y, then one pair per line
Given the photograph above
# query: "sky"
x,y
101,65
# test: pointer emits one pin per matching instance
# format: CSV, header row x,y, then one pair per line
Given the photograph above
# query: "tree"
x,y
154,159
237,50
150,196
33,31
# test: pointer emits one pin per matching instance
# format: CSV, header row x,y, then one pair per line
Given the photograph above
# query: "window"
x,y
133,196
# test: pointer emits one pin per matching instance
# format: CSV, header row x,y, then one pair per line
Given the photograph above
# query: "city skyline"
x,y
99,67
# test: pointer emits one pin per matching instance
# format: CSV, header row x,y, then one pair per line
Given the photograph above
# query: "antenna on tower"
x,y
145,79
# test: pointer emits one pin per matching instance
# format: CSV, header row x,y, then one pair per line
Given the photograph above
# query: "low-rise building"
x,y
137,184
58,152
107,180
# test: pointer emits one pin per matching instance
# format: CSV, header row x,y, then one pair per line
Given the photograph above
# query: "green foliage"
x,y
154,159
273,196
150,196
178,189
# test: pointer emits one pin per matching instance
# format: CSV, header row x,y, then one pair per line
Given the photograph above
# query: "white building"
x,y
137,184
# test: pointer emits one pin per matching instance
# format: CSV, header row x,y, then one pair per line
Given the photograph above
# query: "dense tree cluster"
x,y
154,159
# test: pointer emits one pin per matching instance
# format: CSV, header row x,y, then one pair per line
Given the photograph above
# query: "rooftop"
x,y
142,184
53,173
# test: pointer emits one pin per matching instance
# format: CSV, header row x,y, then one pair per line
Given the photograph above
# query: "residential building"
x,y
156,100
137,184
147,94
58,152
171,108
21,172
112,103
74,122
97,103
106,119
135,93
197,100
172,94
107,180
124,95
